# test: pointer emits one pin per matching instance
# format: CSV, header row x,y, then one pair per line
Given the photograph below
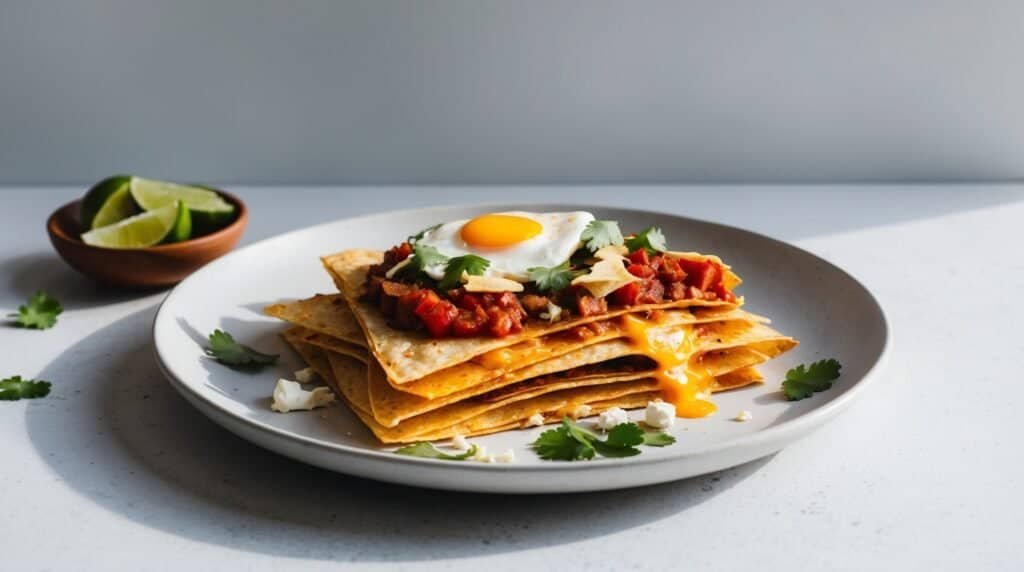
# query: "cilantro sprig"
x,y
650,239
601,233
15,388
573,442
804,381
40,312
551,279
422,257
413,239
470,264
426,450
227,351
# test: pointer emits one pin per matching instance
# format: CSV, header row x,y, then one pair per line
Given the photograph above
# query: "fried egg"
x,y
512,241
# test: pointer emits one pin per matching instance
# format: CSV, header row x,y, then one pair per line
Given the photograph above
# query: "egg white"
x,y
558,239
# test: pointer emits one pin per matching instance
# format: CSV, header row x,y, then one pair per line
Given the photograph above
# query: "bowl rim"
x,y
55,229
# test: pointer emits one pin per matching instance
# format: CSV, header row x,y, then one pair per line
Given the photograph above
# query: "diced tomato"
x,y
670,271
427,300
401,252
499,322
437,317
627,295
641,270
701,274
589,305
651,292
468,301
723,294
507,300
676,291
639,257
469,323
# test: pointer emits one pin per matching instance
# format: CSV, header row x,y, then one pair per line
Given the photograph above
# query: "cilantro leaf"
x,y
560,445
15,388
573,442
658,439
426,450
625,435
600,233
803,381
649,238
427,256
413,239
470,264
622,441
40,312
422,257
227,351
613,452
551,279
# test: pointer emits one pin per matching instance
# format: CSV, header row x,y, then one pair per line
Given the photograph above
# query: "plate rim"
x,y
804,422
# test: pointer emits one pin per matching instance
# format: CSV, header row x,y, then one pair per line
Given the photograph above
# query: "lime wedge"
x,y
170,223
208,209
107,202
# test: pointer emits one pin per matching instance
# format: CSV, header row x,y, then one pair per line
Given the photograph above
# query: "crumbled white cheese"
x,y
459,442
480,455
612,417
289,396
660,414
306,375
743,416
554,312
535,420
581,411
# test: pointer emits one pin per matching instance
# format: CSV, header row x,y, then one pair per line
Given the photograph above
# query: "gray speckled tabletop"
x,y
115,471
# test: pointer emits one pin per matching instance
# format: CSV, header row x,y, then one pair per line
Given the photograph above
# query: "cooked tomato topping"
x,y
590,306
470,323
437,315
416,303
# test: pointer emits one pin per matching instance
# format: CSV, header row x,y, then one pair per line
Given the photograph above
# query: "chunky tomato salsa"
x,y
417,303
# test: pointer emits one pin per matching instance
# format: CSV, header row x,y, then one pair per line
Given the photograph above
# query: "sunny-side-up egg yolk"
x,y
512,241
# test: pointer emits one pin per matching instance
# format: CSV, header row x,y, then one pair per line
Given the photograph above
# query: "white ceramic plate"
x,y
831,313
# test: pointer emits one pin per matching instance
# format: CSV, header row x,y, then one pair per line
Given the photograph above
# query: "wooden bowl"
x,y
152,267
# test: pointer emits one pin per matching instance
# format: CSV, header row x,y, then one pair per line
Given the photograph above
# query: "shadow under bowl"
x,y
153,267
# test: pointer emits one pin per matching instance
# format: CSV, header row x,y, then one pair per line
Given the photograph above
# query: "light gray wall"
x,y
466,92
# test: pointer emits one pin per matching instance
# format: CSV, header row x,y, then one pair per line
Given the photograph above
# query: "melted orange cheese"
x,y
499,359
683,382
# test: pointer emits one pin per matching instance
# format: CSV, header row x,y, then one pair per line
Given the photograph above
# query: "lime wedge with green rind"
x,y
171,223
208,209
107,202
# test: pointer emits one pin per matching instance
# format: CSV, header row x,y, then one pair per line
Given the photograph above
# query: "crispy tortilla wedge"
x,y
324,313
408,356
346,374
391,406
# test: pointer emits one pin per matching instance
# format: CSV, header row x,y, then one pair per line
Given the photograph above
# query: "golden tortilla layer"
x,y
407,356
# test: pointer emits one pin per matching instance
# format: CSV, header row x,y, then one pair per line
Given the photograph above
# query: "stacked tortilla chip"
x,y
406,386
